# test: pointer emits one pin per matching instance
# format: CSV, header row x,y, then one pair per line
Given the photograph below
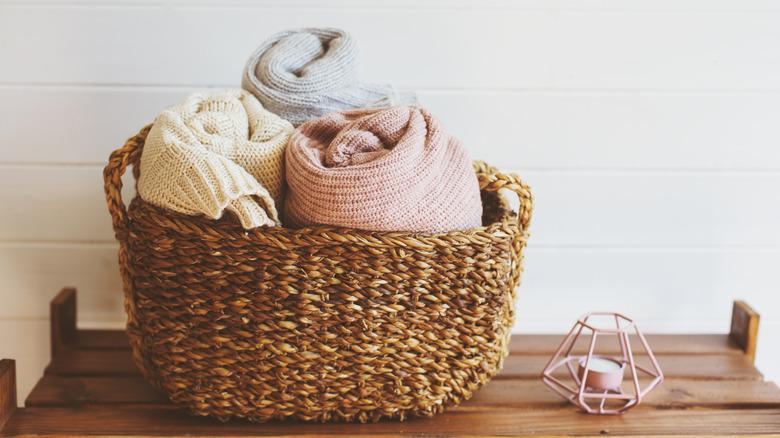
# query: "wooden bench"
x,y
711,388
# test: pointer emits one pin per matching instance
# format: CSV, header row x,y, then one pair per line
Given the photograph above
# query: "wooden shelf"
x,y
711,388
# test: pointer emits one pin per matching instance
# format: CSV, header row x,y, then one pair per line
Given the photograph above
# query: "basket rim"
x,y
209,229
489,178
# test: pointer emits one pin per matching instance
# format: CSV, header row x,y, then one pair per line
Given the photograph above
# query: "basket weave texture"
x,y
320,323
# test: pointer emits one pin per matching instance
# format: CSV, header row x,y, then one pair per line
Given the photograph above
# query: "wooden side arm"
x,y
744,328
7,390
63,319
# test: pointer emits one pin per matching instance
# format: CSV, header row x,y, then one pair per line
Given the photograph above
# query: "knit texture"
x,y
380,169
302,74
216,152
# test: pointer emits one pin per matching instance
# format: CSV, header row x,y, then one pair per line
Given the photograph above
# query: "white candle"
x,y
603,365
603,374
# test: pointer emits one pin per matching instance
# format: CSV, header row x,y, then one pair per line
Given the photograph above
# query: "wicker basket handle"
x,y
112,177
492,180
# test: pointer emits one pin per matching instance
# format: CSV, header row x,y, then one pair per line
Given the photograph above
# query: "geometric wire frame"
x,y
581,392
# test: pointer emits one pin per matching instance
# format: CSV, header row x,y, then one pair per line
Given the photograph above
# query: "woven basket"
x,y
320,323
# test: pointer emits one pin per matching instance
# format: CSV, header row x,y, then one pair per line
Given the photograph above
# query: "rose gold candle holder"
x,y
599,377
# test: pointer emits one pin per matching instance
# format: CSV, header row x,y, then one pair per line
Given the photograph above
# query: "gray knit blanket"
x,y
303,74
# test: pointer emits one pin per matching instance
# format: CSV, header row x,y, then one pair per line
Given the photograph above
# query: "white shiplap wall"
x,y
647,129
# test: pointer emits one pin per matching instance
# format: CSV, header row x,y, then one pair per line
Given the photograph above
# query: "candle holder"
x,y
599,377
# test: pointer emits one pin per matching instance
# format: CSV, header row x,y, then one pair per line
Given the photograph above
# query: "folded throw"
x,y
302,74
215,152
381,169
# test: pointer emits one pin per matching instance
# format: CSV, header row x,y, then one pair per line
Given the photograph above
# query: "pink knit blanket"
x,y
380,169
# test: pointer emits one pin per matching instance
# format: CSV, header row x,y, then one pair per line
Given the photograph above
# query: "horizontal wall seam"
x,y
418,7
165,87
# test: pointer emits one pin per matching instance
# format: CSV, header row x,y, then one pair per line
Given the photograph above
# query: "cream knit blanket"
x,y
382,169
303,74
216,152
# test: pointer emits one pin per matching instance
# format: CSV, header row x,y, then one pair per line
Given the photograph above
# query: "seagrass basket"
x,y
320,323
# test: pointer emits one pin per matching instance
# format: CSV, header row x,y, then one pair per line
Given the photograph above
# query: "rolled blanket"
x,y
380,169
215,152
302,74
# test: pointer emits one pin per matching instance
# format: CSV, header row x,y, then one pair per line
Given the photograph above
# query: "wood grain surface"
x,y
7,390
711,388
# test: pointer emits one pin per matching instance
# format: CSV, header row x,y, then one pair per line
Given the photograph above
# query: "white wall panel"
x,y
576,130
27,342
529,130
767,353
32,274
685,289
496,49
71,125
440,4
655,208
53,204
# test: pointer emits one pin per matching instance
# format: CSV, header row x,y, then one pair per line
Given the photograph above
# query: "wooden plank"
x,y
58,422
613,206
62,320
53,390
110,115
714,367
97,339
93,363
598,60
7,390
660,344
672,393
520,343
598,126
65,335
744,328
699,367
591,5
58,391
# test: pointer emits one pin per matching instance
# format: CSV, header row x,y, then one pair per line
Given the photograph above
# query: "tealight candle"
x,y
603,374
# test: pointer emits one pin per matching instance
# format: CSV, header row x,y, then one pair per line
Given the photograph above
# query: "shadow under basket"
x,y
320,323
